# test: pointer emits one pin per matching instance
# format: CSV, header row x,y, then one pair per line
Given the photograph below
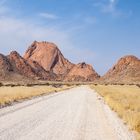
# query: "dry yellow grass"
x,y
125,100
11,94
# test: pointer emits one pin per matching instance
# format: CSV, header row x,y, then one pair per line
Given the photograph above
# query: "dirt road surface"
x,y
75,114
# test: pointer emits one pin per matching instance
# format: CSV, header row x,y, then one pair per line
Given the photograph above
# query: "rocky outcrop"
x,y
7,72
5,66
49,57
82,72
14,67
29,68
20,65
126,70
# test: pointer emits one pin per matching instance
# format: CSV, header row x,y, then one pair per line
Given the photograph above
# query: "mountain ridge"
x,y
44,61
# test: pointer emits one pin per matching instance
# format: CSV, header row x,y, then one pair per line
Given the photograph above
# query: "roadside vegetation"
x,y
10,94
125,100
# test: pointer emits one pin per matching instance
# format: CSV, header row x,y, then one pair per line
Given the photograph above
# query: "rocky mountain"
x,y
7,72
5,66
82,72
126,70
43,60
14,67
49,57
19,65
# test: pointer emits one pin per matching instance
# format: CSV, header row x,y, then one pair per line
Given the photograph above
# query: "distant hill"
x,y
82,72
7,70
126,70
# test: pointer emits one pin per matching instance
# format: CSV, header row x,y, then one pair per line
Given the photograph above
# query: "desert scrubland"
x,y
125,101
9,94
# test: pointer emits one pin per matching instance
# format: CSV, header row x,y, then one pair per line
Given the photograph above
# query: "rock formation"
x,y
49,57
5,66
43,60
7,72
82,72
20,65
14,67
126,70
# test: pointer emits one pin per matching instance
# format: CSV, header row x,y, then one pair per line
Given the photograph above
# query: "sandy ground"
x,y
75,114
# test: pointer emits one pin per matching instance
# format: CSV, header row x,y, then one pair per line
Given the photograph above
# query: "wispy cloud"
x,y
48,16
90,20
3,8
111,7
17,33
2,2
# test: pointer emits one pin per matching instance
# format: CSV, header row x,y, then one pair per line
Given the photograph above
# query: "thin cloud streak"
x,y
48,16
110,7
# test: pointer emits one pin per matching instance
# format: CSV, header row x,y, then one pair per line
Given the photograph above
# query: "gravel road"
x,y
75,114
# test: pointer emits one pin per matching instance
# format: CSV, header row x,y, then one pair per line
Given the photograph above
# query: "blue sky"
x,y
98,32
